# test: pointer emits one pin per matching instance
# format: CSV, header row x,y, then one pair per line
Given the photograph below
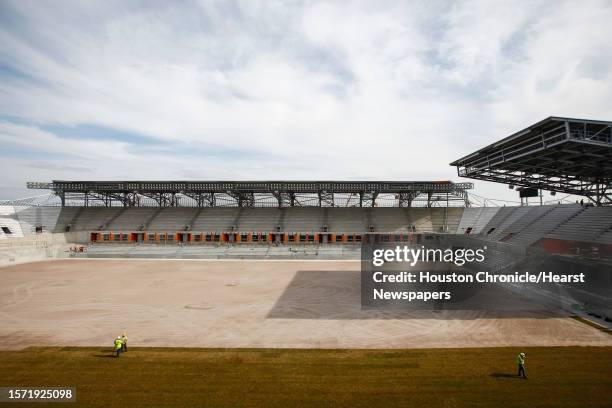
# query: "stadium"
x,y
275,264
244,203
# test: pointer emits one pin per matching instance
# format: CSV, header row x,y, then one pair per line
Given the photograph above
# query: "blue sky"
x,y
286,90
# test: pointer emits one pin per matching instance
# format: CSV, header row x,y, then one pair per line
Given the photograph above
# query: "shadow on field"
x,y
337,295
106,353
504,375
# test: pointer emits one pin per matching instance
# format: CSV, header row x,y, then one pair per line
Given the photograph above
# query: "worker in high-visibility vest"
x,y
520,360
124,342
118,345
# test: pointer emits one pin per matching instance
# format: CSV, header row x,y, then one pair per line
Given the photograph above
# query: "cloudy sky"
x,y
286,90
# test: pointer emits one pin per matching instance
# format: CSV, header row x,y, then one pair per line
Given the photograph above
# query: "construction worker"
x,y
124,343
118,345
520,360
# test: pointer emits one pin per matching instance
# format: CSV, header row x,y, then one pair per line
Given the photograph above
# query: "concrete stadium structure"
x,y
524,226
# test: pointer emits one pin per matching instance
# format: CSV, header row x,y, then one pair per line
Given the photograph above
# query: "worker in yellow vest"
x,y
124,343
118,345
520,360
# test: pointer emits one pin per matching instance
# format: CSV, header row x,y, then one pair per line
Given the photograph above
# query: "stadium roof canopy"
x,y
564,155
258,193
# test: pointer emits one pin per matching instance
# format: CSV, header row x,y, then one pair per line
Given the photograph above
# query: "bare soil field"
x,y
252,304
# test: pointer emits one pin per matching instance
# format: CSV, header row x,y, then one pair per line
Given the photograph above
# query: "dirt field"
x,y
281,304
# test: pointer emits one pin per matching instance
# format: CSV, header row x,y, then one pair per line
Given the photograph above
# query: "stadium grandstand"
x,y
244,212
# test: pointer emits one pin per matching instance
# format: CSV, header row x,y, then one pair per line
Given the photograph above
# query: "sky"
x,y
273,90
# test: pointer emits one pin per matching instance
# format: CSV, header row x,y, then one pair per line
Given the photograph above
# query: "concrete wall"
x,y
36,247
23,220
32,217
8,219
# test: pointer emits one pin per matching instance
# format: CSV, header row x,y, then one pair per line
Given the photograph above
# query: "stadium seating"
x,y
590,225
420,218
258,219
453,217
496,220
533,230
66,217
390,220
606,237
474,220
297,219
438,218
215,219
132,219
302,219
346,220
522,226
93,218
526,221
172,219
497,232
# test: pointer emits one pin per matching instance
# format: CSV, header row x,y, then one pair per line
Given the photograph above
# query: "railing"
x,y
532,144
248,187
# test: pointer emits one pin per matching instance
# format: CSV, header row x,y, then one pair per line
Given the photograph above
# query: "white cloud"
x,y
35,139
379,90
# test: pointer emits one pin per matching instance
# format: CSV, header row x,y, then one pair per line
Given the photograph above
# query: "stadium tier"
x,y
521,226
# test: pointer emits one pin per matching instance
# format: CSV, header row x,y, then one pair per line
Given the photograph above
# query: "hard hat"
x,y
118,337
523,354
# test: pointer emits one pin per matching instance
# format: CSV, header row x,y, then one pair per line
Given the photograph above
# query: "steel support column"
x,y
367,199
405,199
326,199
